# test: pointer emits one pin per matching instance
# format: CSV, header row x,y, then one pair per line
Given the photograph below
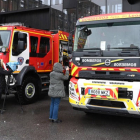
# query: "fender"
x,y
23,72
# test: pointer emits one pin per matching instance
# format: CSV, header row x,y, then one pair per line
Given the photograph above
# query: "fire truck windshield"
x,y
107,36
4,38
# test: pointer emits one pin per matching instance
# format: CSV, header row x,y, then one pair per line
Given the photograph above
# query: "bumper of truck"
x,y
107,111
117,105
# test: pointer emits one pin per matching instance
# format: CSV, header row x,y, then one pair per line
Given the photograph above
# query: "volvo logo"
x,y
107,62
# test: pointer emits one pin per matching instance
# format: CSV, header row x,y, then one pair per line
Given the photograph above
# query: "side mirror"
x,y
88,32
70,39
70,50
21,46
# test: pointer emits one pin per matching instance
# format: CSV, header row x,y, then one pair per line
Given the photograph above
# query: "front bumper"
x,y
109,105
107,111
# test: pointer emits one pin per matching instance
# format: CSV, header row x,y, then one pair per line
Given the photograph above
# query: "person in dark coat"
x,y
3,72
56,89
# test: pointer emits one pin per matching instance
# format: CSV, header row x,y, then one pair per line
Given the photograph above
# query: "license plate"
x,y
99,92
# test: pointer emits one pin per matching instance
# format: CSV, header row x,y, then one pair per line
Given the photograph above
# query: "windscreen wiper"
x,y
101,52
91,49
135,47
128,53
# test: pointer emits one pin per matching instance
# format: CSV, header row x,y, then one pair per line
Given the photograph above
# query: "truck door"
x,y
34,43
23,56
44,59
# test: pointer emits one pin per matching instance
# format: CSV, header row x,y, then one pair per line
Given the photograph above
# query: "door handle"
x,y
50,62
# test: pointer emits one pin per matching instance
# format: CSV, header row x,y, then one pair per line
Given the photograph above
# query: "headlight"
x,y
3,49
77,59
72,91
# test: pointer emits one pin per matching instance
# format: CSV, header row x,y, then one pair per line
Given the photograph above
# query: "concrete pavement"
x,y
33,124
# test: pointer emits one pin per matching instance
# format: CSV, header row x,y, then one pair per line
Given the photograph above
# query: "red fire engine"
x,y
36,51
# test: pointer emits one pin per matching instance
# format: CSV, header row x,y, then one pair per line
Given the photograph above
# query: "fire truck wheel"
x,y
28,91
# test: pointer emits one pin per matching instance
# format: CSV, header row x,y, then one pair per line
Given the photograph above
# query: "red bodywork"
x,y
61,35
49,59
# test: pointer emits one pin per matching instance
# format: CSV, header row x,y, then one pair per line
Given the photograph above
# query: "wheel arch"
x,y
27,71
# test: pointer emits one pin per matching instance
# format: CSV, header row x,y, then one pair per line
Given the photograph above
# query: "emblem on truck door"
x,y
107,62
20,60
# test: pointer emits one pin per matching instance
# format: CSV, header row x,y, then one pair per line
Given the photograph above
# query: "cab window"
x,y
15,50
33,44
44,46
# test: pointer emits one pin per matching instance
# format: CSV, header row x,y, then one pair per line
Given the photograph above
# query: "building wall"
x,y
62,15
127,7
39,19
69,4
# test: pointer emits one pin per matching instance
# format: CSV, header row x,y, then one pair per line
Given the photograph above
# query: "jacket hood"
x,y
58,67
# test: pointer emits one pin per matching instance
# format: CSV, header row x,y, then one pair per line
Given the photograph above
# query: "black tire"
x,y
28,91
2,85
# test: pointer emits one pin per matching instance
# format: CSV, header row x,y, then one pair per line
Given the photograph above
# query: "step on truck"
x,y
36,51
105,65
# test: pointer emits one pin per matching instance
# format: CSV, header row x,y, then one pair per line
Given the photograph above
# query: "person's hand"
x,y
67,68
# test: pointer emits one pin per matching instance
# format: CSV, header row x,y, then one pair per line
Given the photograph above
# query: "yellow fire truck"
x,y
105,65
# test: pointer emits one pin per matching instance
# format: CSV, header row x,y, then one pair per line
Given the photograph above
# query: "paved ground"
x,y
33,124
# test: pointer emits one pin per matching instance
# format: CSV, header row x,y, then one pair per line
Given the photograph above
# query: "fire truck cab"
x,y
36,51
105,66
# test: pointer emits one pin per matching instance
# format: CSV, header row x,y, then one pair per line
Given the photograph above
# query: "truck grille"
x,y
108,75
105,103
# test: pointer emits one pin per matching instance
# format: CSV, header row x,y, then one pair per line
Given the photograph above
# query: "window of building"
x,y
14,5
83,8
46,2
99,7
57,19
114,6
22,4
44,46
32,3
3,5
57,4
69,19
90,7
33,44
